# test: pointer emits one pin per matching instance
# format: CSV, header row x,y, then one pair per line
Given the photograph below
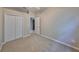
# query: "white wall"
x,y
61,24
1,25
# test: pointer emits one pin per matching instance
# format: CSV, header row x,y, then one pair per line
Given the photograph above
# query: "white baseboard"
x,y
76,48
27,35
18,37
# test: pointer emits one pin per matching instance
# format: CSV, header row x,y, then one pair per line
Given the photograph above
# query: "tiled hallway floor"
x,y
35,43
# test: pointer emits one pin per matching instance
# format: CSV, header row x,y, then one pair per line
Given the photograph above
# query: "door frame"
x,y
31,31
38,24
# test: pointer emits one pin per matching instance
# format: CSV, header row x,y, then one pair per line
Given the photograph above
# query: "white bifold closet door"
x,y
13,27
9,28
19,26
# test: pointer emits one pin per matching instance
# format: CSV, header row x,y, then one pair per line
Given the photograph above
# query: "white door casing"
x,y
37,25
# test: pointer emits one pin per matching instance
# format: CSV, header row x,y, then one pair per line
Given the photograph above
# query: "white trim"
x,y
19,37
59,42
27,35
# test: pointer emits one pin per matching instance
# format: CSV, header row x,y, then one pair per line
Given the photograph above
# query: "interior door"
x,y
9,28
37,25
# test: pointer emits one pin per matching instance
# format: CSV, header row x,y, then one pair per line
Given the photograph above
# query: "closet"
x,y
13,27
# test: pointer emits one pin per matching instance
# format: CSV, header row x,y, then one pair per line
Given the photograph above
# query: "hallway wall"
x,y
61,24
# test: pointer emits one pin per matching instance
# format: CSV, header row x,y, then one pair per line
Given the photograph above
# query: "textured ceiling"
x,y
17,9
36,9
30,9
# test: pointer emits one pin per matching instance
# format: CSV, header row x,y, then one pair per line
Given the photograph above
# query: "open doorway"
x,y
32,24
35,25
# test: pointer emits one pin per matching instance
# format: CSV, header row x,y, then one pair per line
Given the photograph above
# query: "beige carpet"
x,y
35,43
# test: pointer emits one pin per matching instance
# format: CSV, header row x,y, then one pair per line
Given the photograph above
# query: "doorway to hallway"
x,y
32,24
35,25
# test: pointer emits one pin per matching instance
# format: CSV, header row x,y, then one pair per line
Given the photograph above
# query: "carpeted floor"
x,y
35,43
